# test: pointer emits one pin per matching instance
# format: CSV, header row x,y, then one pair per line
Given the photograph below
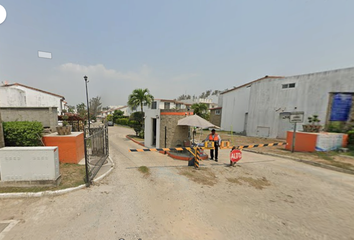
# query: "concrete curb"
x,y
54,193
316,164
106,173
132,139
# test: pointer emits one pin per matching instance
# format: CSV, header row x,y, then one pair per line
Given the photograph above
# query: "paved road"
x,y
297,201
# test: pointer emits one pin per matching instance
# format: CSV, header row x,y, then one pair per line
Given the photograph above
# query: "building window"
x,y
166,105
178,106
217,112
154,105
288,85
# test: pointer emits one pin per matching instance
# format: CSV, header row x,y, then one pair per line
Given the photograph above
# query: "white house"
x,y
33,97
125,109
12,97
152,123
166,104
210,102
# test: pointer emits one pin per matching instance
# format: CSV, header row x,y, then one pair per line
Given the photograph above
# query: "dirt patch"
x,y
203,176
234,180
72,175
257,183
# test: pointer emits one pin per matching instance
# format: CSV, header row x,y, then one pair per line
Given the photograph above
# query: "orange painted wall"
x,y
304,142
345,140
71,147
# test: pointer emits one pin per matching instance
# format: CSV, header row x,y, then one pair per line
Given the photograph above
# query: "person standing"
x,y
214,137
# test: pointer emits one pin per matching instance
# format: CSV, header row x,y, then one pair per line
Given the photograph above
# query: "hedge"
x,y
122,121
23,133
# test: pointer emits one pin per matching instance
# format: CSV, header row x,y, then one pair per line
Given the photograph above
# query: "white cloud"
x,y
99,70
115,86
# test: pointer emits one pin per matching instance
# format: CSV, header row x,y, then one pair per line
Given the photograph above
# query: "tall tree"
x,y
71,109
140,97
81,110
95,106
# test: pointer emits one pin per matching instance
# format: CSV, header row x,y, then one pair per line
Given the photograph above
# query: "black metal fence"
x,y
96,151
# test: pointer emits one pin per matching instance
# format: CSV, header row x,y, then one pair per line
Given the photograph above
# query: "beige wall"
x,y
174,134
215,119
46,115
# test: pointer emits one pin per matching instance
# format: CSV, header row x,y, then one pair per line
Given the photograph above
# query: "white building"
x,y
166,104
262,107
271,100
152,124
125,109
210,102
235,107
33,97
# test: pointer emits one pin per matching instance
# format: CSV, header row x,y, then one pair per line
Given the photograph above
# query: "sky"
x,y
170,47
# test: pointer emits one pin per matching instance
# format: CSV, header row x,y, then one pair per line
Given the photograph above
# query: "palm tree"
x,y
140,97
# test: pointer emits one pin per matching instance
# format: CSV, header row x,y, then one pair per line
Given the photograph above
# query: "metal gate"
x,y
96,151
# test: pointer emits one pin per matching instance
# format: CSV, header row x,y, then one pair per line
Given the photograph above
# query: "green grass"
x,y
145,170
326,155
329,156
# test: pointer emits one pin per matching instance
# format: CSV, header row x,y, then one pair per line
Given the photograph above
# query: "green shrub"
x,y
336,127
141,134
351,137
132,123
137,116
122,121
23,133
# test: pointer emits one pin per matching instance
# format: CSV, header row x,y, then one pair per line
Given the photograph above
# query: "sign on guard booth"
x,y
29,164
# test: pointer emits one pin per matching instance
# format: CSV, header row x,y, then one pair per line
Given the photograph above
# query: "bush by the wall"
x,y
23,133
351,138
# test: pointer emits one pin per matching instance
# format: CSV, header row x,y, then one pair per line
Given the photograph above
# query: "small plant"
x,y
314,120
65,120
337,127
313,125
